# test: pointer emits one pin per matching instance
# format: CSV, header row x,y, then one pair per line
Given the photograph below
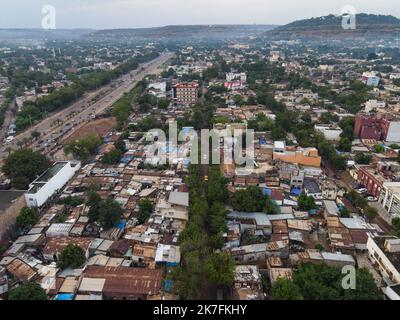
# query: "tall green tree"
x,y
285,289
28,291
72,256
23,166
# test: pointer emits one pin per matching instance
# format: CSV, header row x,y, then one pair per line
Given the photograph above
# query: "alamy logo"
x,y
348,18
349,278
49,17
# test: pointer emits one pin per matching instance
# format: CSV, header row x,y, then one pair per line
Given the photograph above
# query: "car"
x,y
361,190
371,199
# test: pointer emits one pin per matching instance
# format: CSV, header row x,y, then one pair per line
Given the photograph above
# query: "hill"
x,y
194,32
367,25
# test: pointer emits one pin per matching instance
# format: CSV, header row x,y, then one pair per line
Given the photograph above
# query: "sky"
x,y
109,14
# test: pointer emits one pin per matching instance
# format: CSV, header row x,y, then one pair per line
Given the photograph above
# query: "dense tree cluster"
x,y
106,212
321,282
72,256
202,268
83,148
28,291
23,166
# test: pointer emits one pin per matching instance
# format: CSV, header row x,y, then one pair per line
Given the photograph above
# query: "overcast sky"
x,y
100,14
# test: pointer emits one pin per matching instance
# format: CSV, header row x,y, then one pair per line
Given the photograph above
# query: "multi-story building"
x,y
371,178
377,127
390,198
185,93
384,252
370,79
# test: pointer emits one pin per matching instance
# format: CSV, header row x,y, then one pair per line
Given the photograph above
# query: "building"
x,y
305,157
158,89
377,127
390,198
185,93
331,133
247,283
370,105
384,252
370,177
50,182
370,79
121,283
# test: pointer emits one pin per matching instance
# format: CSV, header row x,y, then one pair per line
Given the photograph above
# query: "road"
x,y
7,121
56,125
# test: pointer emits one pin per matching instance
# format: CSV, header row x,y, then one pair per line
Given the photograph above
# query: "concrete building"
x,y
377,127
390,198
331,133
384,252
185,93
305,157
50,182
370,79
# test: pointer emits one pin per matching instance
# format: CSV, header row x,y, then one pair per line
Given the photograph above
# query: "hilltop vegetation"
x,y
367,25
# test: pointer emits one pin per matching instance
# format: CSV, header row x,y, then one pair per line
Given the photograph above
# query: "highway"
x,y
58,124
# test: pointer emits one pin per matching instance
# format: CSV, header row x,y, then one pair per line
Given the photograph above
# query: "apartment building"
x,y
390,198
185,93
377,127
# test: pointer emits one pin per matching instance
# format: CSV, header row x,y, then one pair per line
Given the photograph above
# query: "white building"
x,y
330,133
158,89
374,104
384,252
50,182
232,76
390,198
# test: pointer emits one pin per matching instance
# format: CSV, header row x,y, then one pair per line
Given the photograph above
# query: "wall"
x,y
8,216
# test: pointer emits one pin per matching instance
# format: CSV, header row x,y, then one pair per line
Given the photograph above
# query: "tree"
x,y
345,144
379,148
305,202
93,203
112,157
120,145
26,217
366,288
249,200
35,134
285,289
72,256
362,158
28,291
219,268
109,213
83,148
145,209
370,213
23,166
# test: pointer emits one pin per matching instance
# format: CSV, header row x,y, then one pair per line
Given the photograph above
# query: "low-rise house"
x,y
247,283
121,283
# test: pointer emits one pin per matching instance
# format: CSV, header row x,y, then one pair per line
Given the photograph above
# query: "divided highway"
x,y
58,124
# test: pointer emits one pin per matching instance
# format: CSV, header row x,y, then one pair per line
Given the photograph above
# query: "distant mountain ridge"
x,y
367,25
186,32
41,34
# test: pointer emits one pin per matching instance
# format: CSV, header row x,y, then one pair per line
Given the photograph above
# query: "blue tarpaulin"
x,y
121,225
168,285
295,191
64,297
267,191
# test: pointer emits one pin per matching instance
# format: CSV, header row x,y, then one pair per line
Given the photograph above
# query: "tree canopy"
x,y
28,291
72,256
23,166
